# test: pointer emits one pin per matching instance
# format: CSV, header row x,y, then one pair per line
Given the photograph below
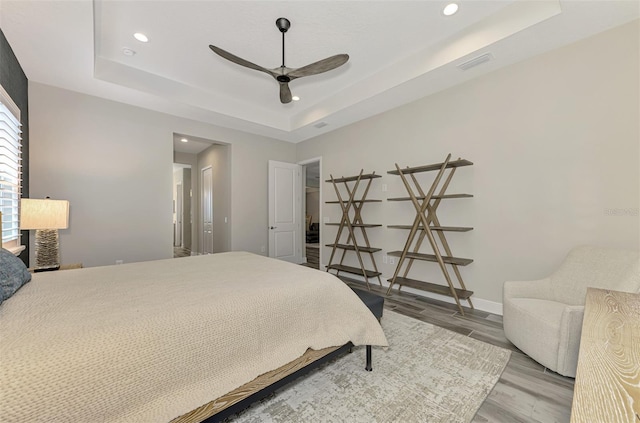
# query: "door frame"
x,y
320,206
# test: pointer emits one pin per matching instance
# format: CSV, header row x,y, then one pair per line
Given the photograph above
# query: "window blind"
x,y
10,175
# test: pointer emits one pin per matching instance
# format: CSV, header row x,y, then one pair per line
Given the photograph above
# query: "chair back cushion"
x,y
595,267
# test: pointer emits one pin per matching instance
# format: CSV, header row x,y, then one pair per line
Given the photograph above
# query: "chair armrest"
x,y
540,289
569,345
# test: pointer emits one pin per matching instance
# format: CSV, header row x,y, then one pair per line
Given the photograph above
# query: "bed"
x,y
154,341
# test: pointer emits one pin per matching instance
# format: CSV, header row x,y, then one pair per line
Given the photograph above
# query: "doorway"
x,y
312,211
206,225
294,217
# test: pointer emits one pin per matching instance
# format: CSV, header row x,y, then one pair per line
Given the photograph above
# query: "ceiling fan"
x,y
283,74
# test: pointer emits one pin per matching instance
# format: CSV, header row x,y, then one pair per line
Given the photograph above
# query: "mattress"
x,y
152,341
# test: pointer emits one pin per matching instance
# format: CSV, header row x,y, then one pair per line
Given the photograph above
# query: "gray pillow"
x,y
13,274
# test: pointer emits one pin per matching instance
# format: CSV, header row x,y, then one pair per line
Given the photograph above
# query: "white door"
x,y
207,210
285,211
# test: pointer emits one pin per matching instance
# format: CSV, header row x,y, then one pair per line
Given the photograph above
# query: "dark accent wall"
x,y
14,81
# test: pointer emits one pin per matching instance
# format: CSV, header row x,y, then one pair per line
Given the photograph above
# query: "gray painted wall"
x,y
113,162
555,144
554,140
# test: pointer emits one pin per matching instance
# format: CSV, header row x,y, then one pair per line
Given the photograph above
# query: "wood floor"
x,y
181,252
526,392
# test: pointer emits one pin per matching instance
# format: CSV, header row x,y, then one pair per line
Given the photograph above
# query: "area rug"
x,y
428,374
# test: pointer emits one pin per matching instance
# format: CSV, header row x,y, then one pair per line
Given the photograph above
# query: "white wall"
x,y
113,162
555,145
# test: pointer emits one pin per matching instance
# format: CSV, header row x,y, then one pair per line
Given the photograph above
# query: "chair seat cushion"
x,y
533,326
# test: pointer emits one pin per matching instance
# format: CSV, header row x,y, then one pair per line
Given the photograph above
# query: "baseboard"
x,y
478,303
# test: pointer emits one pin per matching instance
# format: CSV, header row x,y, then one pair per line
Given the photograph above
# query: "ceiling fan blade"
x,y
320,66
239,61
285,93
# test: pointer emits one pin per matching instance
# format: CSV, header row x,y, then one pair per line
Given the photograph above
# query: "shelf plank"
x,y
354,270
353,248
355,178
431,257
435,228
354,201
431,167
432,287
357,225
433,197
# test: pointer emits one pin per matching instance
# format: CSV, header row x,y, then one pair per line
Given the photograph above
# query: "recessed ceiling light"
x,y
295,98
184,140
450,9
128,52
141,37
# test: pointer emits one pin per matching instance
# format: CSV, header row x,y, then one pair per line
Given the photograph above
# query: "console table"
x,y
607,387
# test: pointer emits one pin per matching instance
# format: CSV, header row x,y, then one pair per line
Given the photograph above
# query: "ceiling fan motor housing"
x,y
283,24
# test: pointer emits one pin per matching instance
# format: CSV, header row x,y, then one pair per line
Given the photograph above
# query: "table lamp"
x,y
46,217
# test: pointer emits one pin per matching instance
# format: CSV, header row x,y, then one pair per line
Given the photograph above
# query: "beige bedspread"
x,y
147,342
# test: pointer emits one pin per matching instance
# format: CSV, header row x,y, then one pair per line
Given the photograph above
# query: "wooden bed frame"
x,y
264,385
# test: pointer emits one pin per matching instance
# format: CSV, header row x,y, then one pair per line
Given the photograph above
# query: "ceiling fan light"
x,y
141,37
295,98
450,9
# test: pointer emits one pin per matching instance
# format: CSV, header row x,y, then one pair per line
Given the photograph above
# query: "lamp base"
x,y
47,250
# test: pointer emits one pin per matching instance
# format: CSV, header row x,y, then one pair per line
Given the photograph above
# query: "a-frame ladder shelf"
x,y
458,261
427,226
435,197
431,167
354,270
462,294
355,201
351,236
435,228
353,248
357,225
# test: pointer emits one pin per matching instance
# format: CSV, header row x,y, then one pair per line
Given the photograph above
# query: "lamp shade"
x,y
44,214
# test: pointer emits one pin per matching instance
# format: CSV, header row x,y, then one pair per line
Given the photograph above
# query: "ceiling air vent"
x,y
320,124
475,61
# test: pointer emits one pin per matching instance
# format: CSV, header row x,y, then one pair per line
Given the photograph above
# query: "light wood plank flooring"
x,y
526,392
181,252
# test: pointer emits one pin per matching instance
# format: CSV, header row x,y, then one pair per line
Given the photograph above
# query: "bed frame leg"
x,y
368,368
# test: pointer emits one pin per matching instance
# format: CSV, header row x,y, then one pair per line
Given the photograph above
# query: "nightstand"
x,y
63,267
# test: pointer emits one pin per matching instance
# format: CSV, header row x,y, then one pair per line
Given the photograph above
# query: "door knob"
x,y
273,227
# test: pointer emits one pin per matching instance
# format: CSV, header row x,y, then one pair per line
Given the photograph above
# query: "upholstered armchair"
x,y
544,318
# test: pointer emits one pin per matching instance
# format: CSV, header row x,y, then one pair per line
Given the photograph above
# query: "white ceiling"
x,y
399,51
